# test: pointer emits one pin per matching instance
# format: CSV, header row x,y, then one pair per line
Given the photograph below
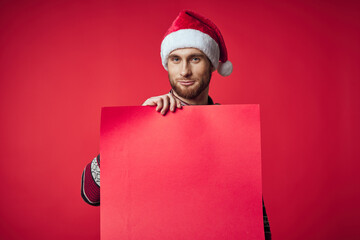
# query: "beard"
x,y
193,91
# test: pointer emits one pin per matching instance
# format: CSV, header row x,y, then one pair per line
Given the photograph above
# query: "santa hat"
x,y
191,30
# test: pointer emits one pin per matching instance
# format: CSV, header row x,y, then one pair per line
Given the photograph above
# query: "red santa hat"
x,y
191,30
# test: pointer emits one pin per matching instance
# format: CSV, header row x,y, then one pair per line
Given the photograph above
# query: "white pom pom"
x,y
225,69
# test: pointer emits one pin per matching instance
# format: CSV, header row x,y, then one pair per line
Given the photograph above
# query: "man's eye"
x,y
175,59
196,59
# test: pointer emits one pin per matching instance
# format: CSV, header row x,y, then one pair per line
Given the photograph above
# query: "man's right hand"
x,y
163,103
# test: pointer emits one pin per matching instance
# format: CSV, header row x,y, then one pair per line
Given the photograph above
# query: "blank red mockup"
x,y
190,175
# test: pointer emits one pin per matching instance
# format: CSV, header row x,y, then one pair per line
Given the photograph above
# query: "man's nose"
x,y
185,70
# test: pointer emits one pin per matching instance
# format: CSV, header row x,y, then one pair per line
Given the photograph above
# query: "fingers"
x,y
159,104
163,103
166,104
172,103
178,103
149,102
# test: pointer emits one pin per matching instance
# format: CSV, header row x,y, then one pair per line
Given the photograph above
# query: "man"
x,y
191,50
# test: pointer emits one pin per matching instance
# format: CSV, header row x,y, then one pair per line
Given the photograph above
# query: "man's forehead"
x,y
187,51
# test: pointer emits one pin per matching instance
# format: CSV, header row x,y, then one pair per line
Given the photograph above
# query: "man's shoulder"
x,y
211,102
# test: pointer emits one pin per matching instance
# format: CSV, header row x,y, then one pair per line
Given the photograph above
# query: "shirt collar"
x,y
210,101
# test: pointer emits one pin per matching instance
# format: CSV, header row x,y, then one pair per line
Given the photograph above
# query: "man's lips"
x,y
186,82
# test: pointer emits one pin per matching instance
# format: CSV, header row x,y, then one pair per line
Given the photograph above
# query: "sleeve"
x,y
90,182
266,224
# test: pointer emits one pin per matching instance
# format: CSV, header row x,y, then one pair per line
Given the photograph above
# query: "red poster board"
x,y
190,175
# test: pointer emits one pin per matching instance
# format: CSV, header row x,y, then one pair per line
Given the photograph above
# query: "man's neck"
x,y
201,99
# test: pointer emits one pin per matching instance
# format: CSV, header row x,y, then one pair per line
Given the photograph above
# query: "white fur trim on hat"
x,y
190,38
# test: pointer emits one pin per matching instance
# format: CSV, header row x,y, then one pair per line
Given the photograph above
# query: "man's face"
x,y
189,72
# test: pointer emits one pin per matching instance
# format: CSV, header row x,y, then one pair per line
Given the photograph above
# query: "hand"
x,y
163,103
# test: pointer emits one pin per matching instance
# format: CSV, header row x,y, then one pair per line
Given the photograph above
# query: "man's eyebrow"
x,y
197,55
173,55
190,56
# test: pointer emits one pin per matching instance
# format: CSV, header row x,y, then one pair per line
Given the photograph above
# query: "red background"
x,y
60,61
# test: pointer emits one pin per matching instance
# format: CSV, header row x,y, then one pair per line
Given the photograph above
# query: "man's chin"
x,y
187,93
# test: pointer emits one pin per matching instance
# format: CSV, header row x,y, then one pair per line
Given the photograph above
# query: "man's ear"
x,y
212,67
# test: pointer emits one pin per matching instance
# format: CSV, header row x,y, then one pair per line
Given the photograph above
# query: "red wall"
x,y
60,61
